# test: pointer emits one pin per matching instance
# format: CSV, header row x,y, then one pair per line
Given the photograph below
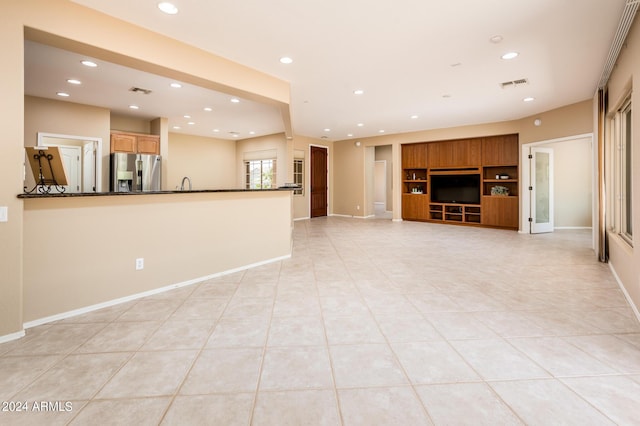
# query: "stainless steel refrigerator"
x,y
135,172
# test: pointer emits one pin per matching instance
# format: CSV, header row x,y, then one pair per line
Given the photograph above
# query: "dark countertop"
x,y
110,194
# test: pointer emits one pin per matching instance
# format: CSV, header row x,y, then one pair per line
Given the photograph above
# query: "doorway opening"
x,y
379,182
558,185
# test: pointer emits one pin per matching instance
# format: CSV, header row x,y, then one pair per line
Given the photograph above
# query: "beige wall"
x,y
181,237
572,189
67,118
624,259
68,25
210,163
130,124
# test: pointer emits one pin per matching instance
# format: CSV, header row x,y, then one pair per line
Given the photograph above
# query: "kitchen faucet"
x,y
182,184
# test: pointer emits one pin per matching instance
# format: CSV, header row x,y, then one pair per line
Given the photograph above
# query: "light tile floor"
x,y
370,322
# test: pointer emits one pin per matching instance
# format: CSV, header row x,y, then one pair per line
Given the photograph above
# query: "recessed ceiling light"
x,y
286,60
380,131
208,109
327,130
496,39
134,107
167,8
176,85
235,100
413,117
252,133
234,134
74,81
191,123
186,116
89,64
216,130
63,94
510,55
529,99
176,127
349,135
360,124
358,92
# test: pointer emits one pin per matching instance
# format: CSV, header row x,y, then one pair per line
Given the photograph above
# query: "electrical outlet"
x,y
139,263
4,214
358,207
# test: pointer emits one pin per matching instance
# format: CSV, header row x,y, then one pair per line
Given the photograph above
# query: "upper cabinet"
x,y
500,150
414,156
457,153
134,143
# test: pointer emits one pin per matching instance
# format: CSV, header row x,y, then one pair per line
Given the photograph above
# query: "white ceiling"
x,y
430,58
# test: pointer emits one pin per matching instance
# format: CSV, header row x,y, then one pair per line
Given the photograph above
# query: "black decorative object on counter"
x,y
45,168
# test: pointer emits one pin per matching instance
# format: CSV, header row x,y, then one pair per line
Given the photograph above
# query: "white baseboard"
x,y
634,308
341,215
136,296
13,336
301,218
396,220
572,227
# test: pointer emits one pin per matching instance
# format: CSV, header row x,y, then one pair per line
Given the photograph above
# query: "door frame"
x,y
98,152
525,182
308,178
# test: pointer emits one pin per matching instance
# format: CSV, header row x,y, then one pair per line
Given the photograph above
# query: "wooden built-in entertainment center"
x,y
466,181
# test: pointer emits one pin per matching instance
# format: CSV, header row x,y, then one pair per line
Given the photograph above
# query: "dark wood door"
x,y
319,185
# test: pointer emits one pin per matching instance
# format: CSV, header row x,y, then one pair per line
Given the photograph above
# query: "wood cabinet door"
x,y
500,150
414,156
459,153
500,211
414,206
123,143
148,144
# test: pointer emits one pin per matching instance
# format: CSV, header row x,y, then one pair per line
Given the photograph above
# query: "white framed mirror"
x,y
81,157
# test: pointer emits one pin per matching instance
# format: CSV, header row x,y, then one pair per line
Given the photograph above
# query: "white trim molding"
x,y
634,308
13,336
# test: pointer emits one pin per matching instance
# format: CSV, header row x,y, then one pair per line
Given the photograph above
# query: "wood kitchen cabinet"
x,y
135,143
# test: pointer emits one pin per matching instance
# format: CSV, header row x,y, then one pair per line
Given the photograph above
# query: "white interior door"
x,y
71,160
89,170
542,190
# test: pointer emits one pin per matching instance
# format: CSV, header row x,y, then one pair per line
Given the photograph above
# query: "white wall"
x,y
573,194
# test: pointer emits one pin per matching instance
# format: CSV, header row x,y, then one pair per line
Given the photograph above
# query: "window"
x,y
260,174
623,172
298,175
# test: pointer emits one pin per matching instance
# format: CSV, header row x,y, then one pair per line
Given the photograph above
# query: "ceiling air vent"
x,y
514,83
140,90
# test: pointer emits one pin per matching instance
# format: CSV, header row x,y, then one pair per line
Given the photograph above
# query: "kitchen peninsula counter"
x,y
175,191
80,250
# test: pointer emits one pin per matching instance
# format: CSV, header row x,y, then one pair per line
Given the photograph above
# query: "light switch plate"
x,y
4,214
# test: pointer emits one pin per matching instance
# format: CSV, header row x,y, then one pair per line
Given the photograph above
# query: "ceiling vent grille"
x,y
514,83
140,90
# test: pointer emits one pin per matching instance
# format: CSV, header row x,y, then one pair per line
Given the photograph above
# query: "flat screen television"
x,y
458,189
